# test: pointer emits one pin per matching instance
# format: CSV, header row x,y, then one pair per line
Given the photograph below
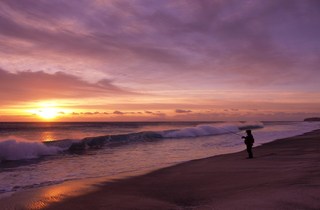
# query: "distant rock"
x,y
312,119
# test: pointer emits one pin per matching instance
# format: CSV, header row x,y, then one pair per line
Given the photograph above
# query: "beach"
x,y
284,174
109,104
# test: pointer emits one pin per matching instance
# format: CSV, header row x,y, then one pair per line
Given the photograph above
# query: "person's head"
x,y
248,132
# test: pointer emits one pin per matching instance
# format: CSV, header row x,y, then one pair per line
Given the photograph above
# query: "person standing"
x,y
249,140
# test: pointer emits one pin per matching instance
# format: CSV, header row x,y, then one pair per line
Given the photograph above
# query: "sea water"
x,y
34,155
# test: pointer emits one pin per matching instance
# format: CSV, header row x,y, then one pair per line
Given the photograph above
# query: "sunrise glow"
x,y
47,113
160,61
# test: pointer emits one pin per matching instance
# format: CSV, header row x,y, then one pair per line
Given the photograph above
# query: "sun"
x,y
47,113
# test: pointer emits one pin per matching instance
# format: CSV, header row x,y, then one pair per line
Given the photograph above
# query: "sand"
x,y
284,174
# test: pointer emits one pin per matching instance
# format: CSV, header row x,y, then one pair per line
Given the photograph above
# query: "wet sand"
x,y
284,174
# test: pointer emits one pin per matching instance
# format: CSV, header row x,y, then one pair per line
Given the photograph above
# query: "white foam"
x,y
17,149
201,130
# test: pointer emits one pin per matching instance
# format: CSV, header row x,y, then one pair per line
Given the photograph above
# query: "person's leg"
x,y
249,150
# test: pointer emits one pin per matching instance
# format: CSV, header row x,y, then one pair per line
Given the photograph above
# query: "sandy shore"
x,y
285,174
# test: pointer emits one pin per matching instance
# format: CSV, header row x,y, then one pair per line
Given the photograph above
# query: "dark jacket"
x,y
249,140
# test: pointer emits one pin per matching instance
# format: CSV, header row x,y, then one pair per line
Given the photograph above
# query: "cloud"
x,y
159,114
118,112
77,32
153,46
28,86
88,113
181,111
227,41
156,113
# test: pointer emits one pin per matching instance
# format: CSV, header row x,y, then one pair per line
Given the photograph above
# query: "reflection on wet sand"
x,y
50,195
60,192
36,199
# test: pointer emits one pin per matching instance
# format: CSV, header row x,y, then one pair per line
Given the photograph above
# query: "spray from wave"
x,y
18,149
209,130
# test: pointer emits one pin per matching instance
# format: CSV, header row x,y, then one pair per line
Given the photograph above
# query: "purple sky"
x,y
160,60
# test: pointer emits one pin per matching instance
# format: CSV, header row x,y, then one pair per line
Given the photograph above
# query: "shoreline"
x,y
283,174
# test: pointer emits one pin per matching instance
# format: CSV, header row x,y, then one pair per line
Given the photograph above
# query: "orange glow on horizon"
x,y
48,113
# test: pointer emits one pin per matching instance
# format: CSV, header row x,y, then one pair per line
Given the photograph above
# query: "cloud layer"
x,y
231,40
29,86
91,48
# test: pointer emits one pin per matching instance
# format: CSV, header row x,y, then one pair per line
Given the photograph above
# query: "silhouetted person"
x,y
249,140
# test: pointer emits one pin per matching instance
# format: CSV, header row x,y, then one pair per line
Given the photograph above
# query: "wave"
x,y
17,149
104,141
209,130
200,130
14,149
117,140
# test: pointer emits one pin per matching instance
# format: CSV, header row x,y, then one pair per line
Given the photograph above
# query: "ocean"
x,y
34,155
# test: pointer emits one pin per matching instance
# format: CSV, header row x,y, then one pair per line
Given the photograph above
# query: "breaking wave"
x,y
17,149
13,149
209,130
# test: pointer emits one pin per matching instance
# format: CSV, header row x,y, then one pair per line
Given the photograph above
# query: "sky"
x,y
151,60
